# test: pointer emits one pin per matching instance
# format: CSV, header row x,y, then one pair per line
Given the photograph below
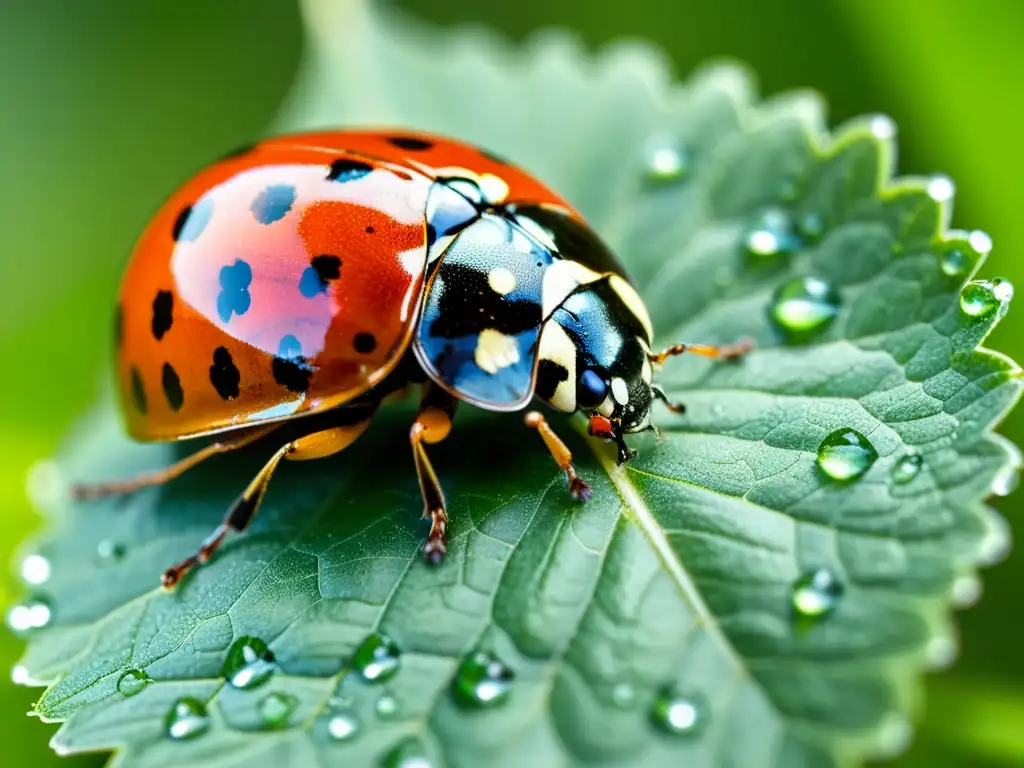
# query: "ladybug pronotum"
x,y
319,273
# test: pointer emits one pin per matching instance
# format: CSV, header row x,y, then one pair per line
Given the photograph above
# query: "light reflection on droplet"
x,y
966,590
882,127
35,569
980,242
19,674
941,189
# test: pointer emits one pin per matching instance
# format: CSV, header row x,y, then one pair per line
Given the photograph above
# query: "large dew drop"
x,y
846,455
35,570
803,307
816,593
249,663
483,680
339,726
132,682
377,659
981,298
679,715
187,719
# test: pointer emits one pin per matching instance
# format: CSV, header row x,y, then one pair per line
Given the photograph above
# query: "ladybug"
x,y
319,273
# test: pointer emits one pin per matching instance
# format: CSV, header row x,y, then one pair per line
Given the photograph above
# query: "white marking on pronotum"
x,y
556,346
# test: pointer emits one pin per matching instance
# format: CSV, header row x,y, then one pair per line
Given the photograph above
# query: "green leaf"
x,y
655,625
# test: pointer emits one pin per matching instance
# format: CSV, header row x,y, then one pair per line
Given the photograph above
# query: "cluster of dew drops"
x,y
804,306
799,308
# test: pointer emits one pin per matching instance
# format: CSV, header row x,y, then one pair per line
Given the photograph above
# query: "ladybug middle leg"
x,y
432,425
315,445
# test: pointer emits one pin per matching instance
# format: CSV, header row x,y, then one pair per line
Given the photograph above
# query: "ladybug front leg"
x,y
432,425
312,446
560,452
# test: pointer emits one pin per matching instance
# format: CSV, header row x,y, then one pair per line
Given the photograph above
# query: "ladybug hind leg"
x,y
433,424
238,440
315,445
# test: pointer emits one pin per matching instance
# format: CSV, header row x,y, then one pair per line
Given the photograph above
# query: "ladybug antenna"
x,y
721,352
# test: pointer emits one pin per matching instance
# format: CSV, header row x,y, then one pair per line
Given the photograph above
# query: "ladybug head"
x,y
595,358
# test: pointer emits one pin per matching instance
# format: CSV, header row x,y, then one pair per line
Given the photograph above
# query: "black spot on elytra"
x,y
364,343
172,387
139,392
291,370
273,203
410,142
163,313
119,326
549,375
234,295
318,274
224,375
192,220
347,169
370,230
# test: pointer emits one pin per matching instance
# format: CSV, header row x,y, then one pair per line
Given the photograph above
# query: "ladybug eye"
x,y
591,390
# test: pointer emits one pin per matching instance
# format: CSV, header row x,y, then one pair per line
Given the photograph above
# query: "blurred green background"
x,y
106,106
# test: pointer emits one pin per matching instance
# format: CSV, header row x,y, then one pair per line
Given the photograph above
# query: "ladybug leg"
x,y
722,352
161,476
313,446
432,425
560,452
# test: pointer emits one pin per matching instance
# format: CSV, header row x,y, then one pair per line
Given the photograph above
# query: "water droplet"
x,y
816,593
377,659
35,613
408,754
1006,482
954,262
483,680
187,719
894,736
623,694
983,297
666,162
882,127
249,663
941,189
110,550
980,242
386,706
907,468
811,226
35,570
941,651
679,715
275,709
846,455
19,674
340,726
771,234
132,681
966,590
804,306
